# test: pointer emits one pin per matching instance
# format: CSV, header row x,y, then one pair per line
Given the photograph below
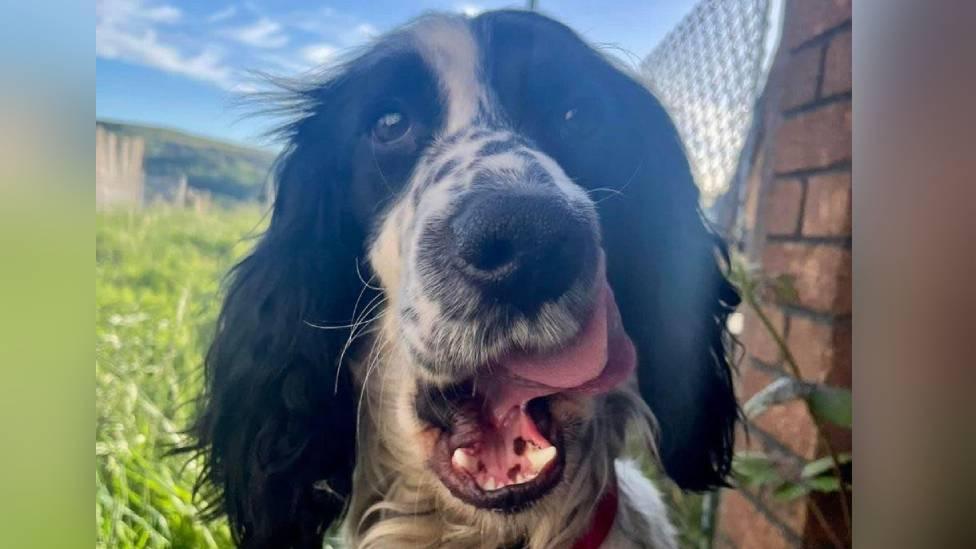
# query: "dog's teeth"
x,y
490,484
539,458
520,479
462,460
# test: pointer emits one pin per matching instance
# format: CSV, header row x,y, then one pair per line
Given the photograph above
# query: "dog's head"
x,y
482,230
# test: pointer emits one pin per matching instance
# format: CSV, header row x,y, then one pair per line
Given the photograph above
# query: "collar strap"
x,y
606,512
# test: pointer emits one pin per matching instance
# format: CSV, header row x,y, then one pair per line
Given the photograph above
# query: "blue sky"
x,y
181,64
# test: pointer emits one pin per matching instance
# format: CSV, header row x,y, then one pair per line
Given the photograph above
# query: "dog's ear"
x,y
277,424
667,269
685,375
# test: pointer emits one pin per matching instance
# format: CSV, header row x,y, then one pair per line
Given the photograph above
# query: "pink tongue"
x,y
599,358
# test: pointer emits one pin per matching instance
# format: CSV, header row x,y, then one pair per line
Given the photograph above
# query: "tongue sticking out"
x,y
599,358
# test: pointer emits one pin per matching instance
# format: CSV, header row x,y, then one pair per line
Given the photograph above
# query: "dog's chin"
x,y
505,464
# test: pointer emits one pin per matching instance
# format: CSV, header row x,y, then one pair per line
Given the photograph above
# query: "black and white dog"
x,y
485,273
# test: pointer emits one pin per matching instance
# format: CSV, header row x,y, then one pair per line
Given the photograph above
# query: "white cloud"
x,y
365,30
291,62
263,33
317,54
226,13
146,49
164,14
333,26
126,30
135,11
470,10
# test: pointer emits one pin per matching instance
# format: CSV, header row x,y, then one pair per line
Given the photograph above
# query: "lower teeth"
x,y
537,459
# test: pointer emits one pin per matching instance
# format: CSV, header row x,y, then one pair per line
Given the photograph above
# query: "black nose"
x,y
519,249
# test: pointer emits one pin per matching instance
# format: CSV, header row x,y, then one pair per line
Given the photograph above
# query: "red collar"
x,y
606,512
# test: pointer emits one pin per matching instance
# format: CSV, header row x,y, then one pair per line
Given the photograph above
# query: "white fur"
x,y
447,45
397,501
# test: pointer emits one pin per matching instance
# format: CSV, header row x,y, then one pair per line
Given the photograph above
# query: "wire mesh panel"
x,y
707,72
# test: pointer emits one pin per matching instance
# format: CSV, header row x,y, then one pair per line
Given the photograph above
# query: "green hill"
x,y
226,170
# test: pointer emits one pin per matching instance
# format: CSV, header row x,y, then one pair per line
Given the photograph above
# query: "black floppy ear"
x,y
685,375
277,424
666,268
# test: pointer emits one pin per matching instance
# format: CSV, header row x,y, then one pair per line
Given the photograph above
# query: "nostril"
x,y
519,249
495,252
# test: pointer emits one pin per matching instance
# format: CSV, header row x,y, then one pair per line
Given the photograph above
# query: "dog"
x,y
486,275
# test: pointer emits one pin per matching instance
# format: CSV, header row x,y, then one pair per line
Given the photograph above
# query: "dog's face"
x,y
533,241
489,256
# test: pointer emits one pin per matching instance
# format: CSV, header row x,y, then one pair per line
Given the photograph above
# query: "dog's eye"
x,y
582,119
391,126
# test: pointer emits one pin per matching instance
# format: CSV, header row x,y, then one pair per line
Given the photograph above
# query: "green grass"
x,y
157,278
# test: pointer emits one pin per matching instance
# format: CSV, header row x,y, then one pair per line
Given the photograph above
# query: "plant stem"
x,y
795,369
822,519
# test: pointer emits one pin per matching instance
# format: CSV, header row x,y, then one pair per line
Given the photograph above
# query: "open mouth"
x,y
499,464
499,446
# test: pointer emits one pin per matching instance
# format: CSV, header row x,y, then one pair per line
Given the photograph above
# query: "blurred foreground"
x,y
157,278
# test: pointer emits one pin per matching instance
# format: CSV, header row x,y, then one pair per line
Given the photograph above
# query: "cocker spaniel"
x,y
485,274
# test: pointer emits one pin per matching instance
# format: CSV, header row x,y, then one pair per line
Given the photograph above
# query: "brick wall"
x,y
797,214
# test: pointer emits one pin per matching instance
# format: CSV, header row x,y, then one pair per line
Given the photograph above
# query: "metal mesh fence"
x,y
707,72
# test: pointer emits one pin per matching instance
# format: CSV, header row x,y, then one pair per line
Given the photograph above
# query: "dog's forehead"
x,y
448,46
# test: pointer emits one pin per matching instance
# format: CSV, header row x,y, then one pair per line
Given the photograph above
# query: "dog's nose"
x,y
520,249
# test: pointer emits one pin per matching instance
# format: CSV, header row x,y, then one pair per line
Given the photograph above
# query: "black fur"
x,y
662,259
278,414
272,424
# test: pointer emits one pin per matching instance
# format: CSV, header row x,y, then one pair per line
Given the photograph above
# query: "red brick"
x,y
782,207
802,73
837,66
791,424
814,139
829,505
821,274
751,381
840,376
745,526
806,19
828,206
756,338
818,348
723,542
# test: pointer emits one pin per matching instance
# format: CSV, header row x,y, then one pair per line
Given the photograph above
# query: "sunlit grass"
x,y
157,278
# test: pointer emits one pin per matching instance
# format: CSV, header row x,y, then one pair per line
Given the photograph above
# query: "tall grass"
x,y
157,279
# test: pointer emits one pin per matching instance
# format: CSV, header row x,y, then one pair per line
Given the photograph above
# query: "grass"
x,y
157,277
156,288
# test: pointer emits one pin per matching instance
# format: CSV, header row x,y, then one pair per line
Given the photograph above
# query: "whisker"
x,y
376,302
379,169
355,306
366,282
605,189
337,326
363,393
